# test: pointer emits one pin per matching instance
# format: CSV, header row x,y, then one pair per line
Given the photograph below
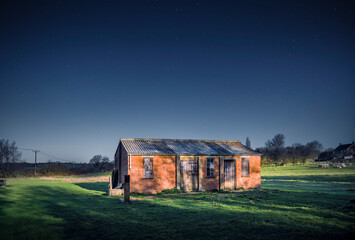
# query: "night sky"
x,y
75,76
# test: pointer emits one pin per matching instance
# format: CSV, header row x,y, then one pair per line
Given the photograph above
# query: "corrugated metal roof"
x,y
139,146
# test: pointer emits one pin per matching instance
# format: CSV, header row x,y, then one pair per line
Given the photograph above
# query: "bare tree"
x,y
1,154
275,147
276,152
8,154
15,155
314,149
99,162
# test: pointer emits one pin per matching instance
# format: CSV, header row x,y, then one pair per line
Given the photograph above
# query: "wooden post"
x,y
2,182
221,173
110,186
178,175
127,189
200,173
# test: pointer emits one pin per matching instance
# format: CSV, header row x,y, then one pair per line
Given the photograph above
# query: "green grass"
x,y
302,202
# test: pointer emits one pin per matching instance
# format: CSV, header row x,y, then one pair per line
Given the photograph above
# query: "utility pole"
x,y
35,151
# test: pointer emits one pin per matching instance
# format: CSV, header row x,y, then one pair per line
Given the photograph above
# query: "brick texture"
x,y
254,179
210,183
164,172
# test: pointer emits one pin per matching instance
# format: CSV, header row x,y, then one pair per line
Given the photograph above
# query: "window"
x,y
193,167
210,167
245,167
147,167
189,167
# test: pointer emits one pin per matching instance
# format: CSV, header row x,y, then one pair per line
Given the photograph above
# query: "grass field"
x,y
302,202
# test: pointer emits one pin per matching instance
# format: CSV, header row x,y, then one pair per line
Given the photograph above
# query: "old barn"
x,y
189,165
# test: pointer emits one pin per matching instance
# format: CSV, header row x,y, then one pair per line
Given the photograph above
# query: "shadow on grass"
x,y
67,211
4,201
96,186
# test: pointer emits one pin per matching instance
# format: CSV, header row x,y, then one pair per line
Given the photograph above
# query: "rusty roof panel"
x,y
141,146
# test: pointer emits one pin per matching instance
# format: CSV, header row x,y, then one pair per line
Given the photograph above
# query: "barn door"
x,y
229,174
189,173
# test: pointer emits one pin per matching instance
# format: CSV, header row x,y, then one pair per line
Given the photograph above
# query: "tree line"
x,y
275,152
11,164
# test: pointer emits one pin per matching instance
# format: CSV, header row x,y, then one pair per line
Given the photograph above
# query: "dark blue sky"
x,y
77,76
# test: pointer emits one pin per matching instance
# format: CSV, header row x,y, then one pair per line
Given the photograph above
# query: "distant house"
x,y
325,156
189,165
345,151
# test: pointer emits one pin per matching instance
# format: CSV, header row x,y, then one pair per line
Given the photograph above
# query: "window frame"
x,y
189,167
208,169
144,171
248,159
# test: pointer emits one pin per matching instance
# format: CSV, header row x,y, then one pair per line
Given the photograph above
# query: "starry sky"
x,y
76,76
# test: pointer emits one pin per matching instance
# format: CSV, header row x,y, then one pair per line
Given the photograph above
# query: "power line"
x,y
26,149
47,154
35,151
61,159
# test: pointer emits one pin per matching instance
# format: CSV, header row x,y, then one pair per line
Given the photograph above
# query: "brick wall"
x,y
207,182
163,172
254,179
